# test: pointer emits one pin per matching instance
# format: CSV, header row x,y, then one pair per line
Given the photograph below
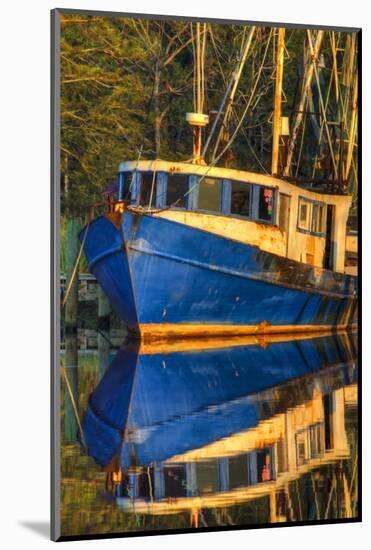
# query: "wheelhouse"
x,y
275,215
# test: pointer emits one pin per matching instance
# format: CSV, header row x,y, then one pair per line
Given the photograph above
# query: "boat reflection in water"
x,y
209,425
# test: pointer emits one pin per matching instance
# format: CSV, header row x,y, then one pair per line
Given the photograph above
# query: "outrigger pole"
x,y
235,80
233,83
277,101
306,90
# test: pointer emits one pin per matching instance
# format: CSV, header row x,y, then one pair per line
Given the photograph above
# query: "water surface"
x,y
204,434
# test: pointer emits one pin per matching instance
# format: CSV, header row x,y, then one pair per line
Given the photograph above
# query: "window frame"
x,y
163,200
251,188
312,204
137,187
219,212
308,221
255,204
254,201
139,191
121,179
321,206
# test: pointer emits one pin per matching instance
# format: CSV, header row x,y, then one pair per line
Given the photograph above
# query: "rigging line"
x,y
344,120
249,102
322,106
301,145
322,124
217,55
306,86
333,484
74,406
105,337
233,137
142,143
254,154
150,485
238,125
227,92
152,188
73,275
238,74
250,146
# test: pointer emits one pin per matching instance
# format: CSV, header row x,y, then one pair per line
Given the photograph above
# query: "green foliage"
x,y
126,85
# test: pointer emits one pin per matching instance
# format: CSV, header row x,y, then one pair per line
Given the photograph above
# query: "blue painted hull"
x,y
150,407
158,273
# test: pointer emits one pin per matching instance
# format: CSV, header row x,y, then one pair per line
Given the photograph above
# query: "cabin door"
x,y
284,217
329,258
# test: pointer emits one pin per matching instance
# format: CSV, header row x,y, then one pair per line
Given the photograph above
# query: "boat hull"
x,y
153,405
167,279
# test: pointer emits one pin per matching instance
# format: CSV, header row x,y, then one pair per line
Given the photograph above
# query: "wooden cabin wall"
x,y
283,426
302,246
266,237
340,233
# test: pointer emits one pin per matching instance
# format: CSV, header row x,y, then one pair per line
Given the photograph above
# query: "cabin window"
x,y
124,185
175,481
266,198
207,477
238,471
311,216
177,187
301,447
240,199
317,223
209,194
148,187
316,435
304,215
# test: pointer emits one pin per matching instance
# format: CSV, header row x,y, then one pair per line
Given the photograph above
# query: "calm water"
x,y
193,435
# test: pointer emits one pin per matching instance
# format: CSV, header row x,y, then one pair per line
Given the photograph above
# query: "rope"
x,y
105,337
237,76
64,372
73,275
152,189
228,90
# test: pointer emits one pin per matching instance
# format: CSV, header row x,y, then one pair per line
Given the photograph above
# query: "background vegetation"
x,y
126,85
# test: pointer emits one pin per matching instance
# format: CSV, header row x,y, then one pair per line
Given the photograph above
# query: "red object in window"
x,y
266,473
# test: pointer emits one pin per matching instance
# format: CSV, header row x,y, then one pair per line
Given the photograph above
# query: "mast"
x,y
353,128
300,112
277,101
198,120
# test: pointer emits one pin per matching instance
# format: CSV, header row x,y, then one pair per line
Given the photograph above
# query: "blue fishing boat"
x,y
189,250
163,418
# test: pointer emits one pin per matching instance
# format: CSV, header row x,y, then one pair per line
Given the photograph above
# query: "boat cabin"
x,y
246,465
275,215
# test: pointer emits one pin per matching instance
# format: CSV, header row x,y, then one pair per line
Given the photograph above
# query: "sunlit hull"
x,y
167,279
